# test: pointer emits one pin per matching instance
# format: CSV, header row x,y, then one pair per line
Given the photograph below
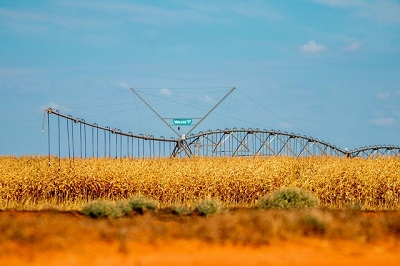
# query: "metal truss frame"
x,y
76,136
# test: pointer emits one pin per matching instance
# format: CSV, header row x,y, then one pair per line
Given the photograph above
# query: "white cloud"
x,y
203,12
285,125
166,92
383,121
147,14
387,112
312,47
354,46
338,3
207,99
23,15
256,10
7,71
391,95
124,85
384,11
54,106
274,86
45,20
383,96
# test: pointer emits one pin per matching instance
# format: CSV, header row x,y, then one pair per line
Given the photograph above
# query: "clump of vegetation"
x,y
123,207
101,209
182,210
110,209
208,206
141,204
288,198
354,206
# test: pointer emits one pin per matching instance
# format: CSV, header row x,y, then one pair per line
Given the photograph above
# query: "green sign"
x,y
182,121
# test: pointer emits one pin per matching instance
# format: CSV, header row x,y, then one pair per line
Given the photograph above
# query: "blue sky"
x,y
329,69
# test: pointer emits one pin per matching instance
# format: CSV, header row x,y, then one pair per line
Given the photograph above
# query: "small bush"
x,y
110,209
288,198
182,210
101,209
141,204
124,207
208,206
354,206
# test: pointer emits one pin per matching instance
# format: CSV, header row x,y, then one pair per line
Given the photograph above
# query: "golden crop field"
x,y
33,183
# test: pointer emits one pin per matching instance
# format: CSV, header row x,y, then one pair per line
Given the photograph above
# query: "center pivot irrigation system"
x,y
181,143
74,137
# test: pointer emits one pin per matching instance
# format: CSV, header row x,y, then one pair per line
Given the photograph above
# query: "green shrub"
x,y
182,210
288,198
208,206
354,206
124,207
110,209
141,204
101,209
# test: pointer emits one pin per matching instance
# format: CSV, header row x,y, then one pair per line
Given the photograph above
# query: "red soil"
x,y
305,252
75,240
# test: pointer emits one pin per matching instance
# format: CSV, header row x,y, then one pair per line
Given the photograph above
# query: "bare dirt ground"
x,y
307,252
68,238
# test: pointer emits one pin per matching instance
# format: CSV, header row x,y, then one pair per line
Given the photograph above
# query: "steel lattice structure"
x,y
376,151
257,142
73,137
